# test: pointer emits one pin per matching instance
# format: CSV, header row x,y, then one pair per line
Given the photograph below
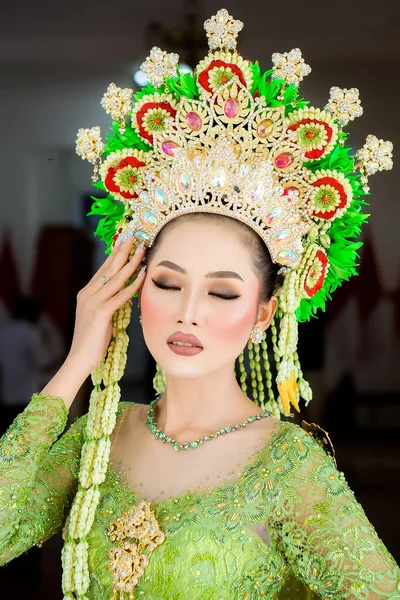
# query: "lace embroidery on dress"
x,y
154,472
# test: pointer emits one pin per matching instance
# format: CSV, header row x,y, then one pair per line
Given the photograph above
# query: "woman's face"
x,y
200,261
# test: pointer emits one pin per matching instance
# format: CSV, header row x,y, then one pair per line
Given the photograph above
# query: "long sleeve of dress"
x,y
38,475
324,532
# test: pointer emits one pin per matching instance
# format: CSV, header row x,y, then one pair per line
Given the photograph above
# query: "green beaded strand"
x,y
274,332
243,373
252,362
268,374
159,381
260,382
161,435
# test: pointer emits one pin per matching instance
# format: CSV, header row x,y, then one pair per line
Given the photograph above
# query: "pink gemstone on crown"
x,y
169,148
284,160
292,192
231,108
194,121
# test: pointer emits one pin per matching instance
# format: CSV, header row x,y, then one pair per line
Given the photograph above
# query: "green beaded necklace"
x,y
160,435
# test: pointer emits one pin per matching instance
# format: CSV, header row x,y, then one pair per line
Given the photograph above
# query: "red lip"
x,y
178,336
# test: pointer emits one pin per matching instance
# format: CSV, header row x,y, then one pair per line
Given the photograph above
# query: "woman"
x,y
201,494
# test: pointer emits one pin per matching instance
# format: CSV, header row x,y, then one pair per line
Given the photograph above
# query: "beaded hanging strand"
x,y
278,407
259,378
159,380
253,377
271,403
94,458
243,373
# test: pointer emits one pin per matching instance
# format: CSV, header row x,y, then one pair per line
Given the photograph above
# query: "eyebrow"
x,y
213,275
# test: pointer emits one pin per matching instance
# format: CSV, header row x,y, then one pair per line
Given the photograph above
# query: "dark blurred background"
x,y
56,61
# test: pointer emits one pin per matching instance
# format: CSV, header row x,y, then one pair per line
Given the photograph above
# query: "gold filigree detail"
x,y
232,106
205,159
135,530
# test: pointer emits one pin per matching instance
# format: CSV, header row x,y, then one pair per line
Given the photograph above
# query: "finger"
x,y
121,258
96,282
118,281
126,293
116,251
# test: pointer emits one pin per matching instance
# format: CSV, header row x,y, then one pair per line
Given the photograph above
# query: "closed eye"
x,y
172,287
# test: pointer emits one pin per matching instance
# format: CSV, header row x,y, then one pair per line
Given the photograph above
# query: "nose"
x,y
190,309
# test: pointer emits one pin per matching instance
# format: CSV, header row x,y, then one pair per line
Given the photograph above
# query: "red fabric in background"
x,y
63,265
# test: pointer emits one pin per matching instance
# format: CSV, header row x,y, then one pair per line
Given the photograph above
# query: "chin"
x,y
178,366
182,371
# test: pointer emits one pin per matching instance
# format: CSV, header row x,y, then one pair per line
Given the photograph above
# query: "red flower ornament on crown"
x,y
333,193
316,131
122,173
314,273
151,114
220,68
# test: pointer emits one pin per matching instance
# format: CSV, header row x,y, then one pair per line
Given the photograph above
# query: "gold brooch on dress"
x,y
134,530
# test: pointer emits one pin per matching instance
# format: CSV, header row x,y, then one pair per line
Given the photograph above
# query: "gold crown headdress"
x,y
230,140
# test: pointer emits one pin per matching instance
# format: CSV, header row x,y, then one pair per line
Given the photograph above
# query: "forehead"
x,y
204,238
203,243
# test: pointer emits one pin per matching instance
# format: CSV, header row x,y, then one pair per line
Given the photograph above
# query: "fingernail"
x,y
138,249
142,270
124,236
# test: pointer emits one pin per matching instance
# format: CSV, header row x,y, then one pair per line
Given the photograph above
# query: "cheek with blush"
x,y
233,328
155,313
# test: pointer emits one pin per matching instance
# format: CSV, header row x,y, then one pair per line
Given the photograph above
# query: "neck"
x,y
194,407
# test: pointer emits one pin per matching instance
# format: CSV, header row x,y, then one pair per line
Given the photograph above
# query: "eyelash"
x,y
166,287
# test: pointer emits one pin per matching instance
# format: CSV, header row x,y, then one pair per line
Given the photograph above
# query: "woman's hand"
x,y
97,302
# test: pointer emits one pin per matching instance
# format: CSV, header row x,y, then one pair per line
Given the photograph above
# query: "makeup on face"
x,y
185,350
227,326
212,275
189,291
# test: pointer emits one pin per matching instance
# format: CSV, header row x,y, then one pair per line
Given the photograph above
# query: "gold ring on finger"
x,y
104,278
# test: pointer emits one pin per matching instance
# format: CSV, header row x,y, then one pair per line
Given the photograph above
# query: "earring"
x,y
257,335
140,319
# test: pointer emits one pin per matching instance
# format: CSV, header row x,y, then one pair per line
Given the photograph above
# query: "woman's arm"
x,y
323,531
38,475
